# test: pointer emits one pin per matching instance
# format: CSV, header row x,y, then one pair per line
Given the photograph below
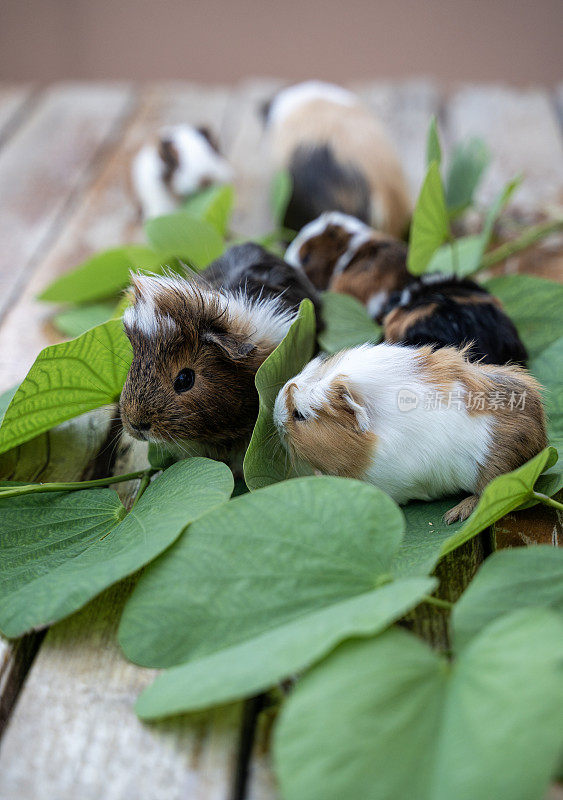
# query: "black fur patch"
x,y
262,274
323,183
464,314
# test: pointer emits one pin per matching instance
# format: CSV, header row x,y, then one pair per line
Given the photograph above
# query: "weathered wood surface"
x,y
65,193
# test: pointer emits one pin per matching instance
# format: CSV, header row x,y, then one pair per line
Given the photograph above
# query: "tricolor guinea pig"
x,y
181,161
442,310
417,422
197,345
339,158
341,253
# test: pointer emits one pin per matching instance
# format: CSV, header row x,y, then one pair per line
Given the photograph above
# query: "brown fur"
x,y
221,408
319,254
170,158
398,321
379,265
518,434
332,441
358,139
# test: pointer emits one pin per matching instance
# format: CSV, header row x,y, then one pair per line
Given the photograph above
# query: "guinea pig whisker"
x,y
112,351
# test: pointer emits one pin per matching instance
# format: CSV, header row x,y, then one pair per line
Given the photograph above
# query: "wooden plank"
x,y
14,102
106,216
522,132
44,166
405,109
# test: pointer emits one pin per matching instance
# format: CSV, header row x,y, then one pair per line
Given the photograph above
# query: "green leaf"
x,y
426,534
534,304
214,204
269,558
433,148
548,369
266,460
103,275
259,663
60,550
527,577
467,164
430,222
502,495
75,321
459,257
281,189
346,323
193,240
389,718
66,380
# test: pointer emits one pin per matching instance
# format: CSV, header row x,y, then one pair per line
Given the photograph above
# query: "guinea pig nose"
x,y
142,426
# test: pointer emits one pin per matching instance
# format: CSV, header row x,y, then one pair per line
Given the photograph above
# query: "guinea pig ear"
x,y
207,134
350,402
169,155
230,345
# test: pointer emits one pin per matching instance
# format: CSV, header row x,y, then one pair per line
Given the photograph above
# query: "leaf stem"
x,y
527,239
549,501
36,488
437,601
145,480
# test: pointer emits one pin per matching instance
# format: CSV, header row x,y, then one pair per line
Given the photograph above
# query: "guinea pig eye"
x,y
305,259
185,379
298,416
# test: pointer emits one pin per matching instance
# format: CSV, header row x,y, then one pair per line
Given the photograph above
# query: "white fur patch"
x,y
290,99
425,449
198,163
265,318
352,226
376,303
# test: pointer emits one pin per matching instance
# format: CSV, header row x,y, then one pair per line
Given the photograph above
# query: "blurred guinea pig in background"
x,y
417,422
182,160
197,344
341,253
443,310
339,158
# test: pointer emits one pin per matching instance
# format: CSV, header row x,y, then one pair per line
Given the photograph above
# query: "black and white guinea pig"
x,y
197,345
419,423
341,253
181,161
443,310
339,158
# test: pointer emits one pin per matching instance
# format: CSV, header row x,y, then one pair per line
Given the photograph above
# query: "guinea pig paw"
x,y
463,510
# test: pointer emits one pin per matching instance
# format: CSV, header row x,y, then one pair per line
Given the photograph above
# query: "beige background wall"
x,y
519,41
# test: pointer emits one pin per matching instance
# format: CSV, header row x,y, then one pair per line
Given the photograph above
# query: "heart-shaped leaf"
x,y
388,717
193,240
266,460
103,275
272,558
467,164
525,577
213,204
346,323
66,380
430,222
534,305
60,550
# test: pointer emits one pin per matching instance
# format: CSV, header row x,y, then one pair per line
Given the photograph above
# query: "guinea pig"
x,y
339,158
419,423
443,310
183,160
343,254
197,345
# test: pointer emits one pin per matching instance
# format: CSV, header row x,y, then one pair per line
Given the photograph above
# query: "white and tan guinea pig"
x,y
339,157
341,253
182,160
417,422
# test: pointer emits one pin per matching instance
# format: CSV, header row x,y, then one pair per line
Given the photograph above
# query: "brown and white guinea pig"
x,y
341,253
339,158
182,160
443,310
197,345
417,422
